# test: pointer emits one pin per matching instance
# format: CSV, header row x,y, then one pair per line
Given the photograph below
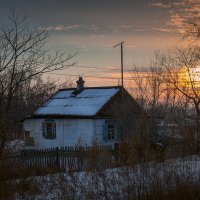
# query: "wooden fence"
x,y
63,158
39,162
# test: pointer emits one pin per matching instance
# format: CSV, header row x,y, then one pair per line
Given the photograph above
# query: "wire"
x,y
89,76
103,68
100,77
112,69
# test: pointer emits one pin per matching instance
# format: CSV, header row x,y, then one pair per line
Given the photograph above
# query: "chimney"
x,y
80,84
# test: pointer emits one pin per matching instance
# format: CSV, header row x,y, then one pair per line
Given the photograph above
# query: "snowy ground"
x,y
115,183
14,146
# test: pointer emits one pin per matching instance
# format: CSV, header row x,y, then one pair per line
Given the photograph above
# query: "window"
x,y
111,131
29,141
49,129
27,134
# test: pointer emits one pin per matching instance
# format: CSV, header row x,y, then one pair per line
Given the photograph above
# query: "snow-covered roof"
x,y
86,103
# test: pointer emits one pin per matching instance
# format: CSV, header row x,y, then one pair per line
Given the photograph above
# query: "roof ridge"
x,y
101,87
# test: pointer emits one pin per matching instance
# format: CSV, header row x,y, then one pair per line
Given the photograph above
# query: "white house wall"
x,y
68,132
98,132
78,131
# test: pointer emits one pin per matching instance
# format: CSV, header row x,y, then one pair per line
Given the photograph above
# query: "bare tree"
x,y
154,93
23,58
148,83
181,65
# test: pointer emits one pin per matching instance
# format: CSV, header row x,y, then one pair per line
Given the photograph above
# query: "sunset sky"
x,y
92,27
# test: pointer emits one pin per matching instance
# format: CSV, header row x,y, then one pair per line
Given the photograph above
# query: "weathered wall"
x,y
68,132
98,130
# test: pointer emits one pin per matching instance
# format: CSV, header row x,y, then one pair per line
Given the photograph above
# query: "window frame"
x,y
112,133
29,141
49,129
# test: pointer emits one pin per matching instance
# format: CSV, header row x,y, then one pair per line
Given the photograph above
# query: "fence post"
x,y
116,151
57,158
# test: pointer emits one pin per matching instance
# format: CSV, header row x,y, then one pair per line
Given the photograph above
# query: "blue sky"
x,y
92,27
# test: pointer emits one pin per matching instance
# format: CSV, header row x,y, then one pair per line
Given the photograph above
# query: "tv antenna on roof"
x,y
122,64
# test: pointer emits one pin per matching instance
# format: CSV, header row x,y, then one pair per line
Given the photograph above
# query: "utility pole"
x,y
122,64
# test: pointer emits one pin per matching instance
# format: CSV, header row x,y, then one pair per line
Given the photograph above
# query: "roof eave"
x,y
64,117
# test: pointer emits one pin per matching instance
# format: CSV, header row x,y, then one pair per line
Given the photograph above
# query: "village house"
x,y
80,115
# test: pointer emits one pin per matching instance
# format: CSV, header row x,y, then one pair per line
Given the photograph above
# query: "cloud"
x,y
61,27
98,36
105,31
130,28
91,28
180,12
127,28
162,29
177,21
85,47
159,4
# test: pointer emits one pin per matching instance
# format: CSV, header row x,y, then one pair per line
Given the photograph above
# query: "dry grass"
x,y
143,173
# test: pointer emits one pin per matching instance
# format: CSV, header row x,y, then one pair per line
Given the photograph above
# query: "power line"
x,y
100,68
104,68
89,76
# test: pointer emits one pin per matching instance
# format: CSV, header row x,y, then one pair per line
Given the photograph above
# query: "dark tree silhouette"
x,y
23,57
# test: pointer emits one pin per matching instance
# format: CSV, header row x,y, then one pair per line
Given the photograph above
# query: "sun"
x,y
189,77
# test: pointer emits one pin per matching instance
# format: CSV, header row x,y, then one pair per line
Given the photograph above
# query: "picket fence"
x,y
63,158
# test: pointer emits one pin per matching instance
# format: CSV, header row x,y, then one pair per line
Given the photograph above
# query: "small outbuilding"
x,y
80,115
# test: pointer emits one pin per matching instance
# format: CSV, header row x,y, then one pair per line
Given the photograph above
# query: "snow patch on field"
x,y
117,181
14,146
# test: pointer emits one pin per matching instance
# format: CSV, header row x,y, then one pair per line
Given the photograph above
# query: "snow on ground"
x,y
14,146
118,181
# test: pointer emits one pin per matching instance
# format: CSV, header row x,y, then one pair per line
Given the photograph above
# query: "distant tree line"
x,y
170,87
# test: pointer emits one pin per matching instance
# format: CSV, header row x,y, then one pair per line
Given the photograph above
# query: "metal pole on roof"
x,y
122,64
